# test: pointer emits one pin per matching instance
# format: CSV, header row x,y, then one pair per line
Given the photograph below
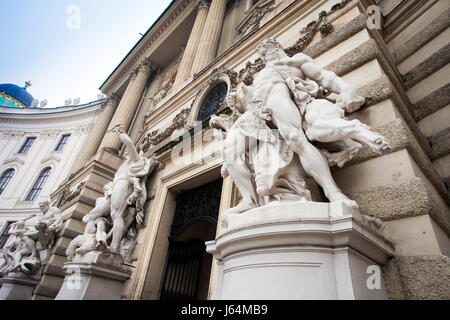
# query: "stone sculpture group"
x,y
268,151
28,248
111,225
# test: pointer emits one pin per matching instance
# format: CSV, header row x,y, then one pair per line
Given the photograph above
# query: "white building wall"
x,y
48,126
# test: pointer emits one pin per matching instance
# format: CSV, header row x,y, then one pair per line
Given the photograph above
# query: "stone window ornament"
x,y
211,97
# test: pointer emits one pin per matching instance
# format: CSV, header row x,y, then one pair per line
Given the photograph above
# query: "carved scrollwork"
x,y
322,25
153,138
251,68
255,15
67,195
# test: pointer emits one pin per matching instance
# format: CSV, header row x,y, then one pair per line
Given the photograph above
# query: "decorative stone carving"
x,y
164,88
198,204
268,150
212,102
202,4
27,250
246,74
111,225
311,29
254,16
67,195
94,237
153,138
112,99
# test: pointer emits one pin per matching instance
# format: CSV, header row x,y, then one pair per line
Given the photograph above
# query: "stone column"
x,y
210,35
128,104
97,133
191,47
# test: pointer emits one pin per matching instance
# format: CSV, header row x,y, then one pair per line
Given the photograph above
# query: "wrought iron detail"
x,y
214,99
201,203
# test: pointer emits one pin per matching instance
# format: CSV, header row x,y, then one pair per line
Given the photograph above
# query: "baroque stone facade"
x,y
395,60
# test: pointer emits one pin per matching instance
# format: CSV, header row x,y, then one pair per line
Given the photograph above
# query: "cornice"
x,y
87,113
136,55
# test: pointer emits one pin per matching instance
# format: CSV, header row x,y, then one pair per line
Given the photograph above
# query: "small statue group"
x,y
111,226
27,249
268,150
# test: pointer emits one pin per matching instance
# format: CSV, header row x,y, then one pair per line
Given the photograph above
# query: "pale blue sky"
x,y
64,62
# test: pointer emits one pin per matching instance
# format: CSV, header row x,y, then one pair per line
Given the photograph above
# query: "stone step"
x,y
440,143
422,37
382,202
424,69
432,103
49,286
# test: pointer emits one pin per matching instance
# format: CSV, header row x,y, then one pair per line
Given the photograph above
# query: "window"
x,y
27,145
62,142
4,234
5,178
39,184
213,101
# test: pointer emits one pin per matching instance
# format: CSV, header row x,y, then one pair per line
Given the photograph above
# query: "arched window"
x,y
6,177
39,184
213,101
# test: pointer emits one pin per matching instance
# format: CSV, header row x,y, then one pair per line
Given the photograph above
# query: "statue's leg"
x,y
129,217
336,129
349,149
234,153
137,190
286,117
101,209
101,235
118,208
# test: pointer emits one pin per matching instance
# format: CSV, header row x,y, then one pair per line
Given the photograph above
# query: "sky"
x,y
68,48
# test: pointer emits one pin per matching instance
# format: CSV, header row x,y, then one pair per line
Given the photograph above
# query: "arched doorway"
x,y
188,265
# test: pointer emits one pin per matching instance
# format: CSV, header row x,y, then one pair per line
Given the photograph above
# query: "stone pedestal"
x,y
101,279
18,286
300,250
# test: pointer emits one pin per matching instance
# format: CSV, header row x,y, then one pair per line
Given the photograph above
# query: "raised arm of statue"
x,y
127,142
329,80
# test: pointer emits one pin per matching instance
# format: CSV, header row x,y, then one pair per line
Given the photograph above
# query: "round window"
x,y
213,101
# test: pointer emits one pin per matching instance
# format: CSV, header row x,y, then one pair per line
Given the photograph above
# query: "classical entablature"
x,y
51,115
151,44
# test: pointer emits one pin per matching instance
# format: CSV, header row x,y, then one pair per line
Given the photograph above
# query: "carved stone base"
x,y
18,286
99,280
300,250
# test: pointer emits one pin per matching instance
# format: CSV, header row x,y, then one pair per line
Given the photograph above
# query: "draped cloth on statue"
x,y
278,173
136,172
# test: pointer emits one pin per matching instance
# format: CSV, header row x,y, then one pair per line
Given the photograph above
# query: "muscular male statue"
x,y
271,99
128,189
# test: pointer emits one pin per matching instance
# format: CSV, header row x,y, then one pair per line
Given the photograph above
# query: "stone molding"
x,y
151,37
254,15
202,4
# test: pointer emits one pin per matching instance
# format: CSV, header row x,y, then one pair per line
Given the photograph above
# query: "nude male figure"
x,y
128,189
270,99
